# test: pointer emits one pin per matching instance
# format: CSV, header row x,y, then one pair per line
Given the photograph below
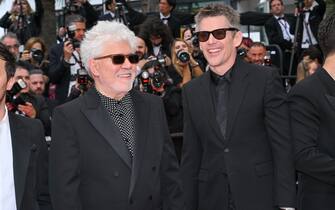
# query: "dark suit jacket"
x,y
312,109
255,158
316,16
30,161
105,17
59,72
90,167
275,33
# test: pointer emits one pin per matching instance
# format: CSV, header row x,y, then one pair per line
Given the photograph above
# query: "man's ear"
x,y
10,83
93,65
237,38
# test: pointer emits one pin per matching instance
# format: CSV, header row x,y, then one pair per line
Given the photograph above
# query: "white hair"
x,y
101,34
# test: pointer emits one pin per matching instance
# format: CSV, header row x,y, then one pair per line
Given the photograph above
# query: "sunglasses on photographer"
x,y
219,34
118,59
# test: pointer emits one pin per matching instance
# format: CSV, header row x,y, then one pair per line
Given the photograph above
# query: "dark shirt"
x,y
122,112
220,95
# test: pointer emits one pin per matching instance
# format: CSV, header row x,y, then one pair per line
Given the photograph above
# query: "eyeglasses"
x,y
118,59
219,34
12,46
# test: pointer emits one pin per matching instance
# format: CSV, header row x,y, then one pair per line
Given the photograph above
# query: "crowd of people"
x,y
128,110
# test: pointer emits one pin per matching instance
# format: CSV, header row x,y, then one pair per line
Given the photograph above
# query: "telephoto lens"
x,y
183,56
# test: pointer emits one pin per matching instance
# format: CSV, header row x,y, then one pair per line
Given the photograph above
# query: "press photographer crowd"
x,y
127,110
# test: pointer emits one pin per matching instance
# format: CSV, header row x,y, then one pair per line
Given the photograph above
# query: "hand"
x,y
25,55
68,50
28,109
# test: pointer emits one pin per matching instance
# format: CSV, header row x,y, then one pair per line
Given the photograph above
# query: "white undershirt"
x,y
7,188
285,27
307,35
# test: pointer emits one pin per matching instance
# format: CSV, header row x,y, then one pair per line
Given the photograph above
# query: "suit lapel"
x,y
238,88
142,112
21,155
208,104
102,121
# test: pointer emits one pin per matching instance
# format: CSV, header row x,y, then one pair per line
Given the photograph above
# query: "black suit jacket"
x,y
255,159
312,109
59,72
316,16
90,167
30,161
105,17
275,33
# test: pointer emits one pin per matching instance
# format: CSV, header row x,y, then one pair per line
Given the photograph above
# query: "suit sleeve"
x,y
64,171
275,36
43,196
305,121
57,67
191,157
170,175
278,129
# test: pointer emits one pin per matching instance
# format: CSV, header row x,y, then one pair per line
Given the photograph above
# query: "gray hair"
x,y
214,10
72,19
9,35
101,34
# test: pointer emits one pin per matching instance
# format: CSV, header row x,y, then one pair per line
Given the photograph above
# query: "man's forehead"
x,y
36,76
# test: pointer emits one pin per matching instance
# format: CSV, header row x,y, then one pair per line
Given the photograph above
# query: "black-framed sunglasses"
x,y
219,34
118,59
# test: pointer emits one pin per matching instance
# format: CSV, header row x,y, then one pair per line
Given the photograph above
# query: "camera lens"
x,y
183,56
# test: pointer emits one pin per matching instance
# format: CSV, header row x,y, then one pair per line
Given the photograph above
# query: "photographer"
x,y
115,11
84,9
154,80
22,21
191,39
65,60
183,62
24,102
34,54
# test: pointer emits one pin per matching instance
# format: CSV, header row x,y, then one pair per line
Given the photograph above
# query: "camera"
x,y
82,79
71,33
12,97
37,55
153,77
183,56
242,52
71,7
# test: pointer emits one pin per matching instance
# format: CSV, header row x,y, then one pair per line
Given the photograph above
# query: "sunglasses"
x,y
118,59
219,34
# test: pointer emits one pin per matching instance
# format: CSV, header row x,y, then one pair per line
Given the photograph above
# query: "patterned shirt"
x,y
122,113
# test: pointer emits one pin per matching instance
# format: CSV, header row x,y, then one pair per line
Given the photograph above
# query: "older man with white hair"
x,y
111,147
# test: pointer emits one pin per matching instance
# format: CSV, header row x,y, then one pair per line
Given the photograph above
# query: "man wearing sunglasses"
x,y
111,147
237,152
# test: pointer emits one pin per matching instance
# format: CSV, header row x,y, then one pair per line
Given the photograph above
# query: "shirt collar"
x,y
217,78
5,117
277,17
162,16
125,101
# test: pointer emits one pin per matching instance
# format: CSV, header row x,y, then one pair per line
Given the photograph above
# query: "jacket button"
x,y
116,173
150,197
154,168
226,150
131,201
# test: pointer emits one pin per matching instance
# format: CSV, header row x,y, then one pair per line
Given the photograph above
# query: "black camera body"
x,y
82,79
153,76
183,56
37,55
13,100
71,33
